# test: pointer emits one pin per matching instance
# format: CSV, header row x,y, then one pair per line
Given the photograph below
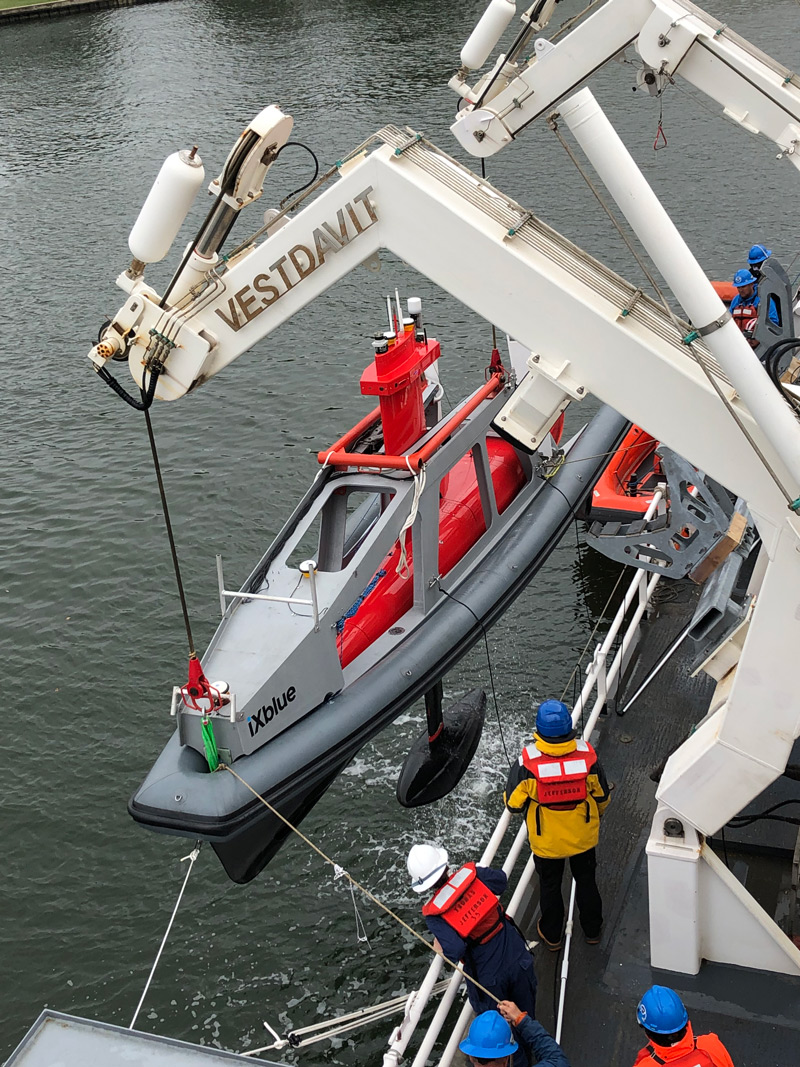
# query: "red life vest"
x,y
695,1058
469,906
745,316
561,780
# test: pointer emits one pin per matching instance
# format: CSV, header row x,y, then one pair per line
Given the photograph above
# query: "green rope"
x,y
687,340
795,505
210,744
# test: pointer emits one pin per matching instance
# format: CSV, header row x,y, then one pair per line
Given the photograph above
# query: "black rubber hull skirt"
x,y
293,771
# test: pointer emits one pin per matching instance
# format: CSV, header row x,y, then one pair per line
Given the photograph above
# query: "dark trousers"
x,y
587,895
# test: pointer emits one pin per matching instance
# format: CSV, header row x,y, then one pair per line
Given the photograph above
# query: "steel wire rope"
x,y
594,631
547,479
191,857
791,500
170,535
488,661
346,874
570,22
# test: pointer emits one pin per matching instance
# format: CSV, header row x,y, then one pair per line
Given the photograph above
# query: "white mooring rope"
x,y
419,484
191,857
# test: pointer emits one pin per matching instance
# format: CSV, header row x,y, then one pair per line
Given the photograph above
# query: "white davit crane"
x,y
697,388
672,37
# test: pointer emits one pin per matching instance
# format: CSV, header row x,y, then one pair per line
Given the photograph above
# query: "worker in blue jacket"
x,y
747,295
491,1041
469,923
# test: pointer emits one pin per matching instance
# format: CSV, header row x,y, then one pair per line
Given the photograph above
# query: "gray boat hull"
x,y
179,795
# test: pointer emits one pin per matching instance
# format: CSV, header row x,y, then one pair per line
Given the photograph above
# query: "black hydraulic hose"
x,y
774,353
299,144
738,822
147,395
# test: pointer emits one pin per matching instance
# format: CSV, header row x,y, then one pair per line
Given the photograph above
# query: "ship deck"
x,y
756,1014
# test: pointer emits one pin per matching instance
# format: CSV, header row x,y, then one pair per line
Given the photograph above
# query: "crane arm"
x,y
672,37
590,331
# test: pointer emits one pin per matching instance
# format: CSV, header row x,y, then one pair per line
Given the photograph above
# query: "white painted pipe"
x,y
660,237
402,1034
452,1045
494,841
522,886
517,846
438,1021
565,962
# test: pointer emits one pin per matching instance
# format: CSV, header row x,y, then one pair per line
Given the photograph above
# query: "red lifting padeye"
x,y
396,377
198,688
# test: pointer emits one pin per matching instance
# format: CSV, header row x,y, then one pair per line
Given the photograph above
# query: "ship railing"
x,y
601,679
308,569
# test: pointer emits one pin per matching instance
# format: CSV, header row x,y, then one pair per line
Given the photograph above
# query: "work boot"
x,y
595,939
554,946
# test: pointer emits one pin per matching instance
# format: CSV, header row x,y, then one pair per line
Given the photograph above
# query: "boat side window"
x,y
339,528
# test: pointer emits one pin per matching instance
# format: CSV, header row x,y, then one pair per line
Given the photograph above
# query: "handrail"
x,y
308,569
644,588
600,677
334,457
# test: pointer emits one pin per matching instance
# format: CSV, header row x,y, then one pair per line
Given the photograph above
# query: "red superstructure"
x,y
396,377
461,523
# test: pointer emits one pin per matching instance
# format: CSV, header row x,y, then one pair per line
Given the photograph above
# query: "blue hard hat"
x,y
553,719
662,1011
489,1038
757,254
744,277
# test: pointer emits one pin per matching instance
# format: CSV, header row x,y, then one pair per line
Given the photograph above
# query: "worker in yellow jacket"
x,y
560,787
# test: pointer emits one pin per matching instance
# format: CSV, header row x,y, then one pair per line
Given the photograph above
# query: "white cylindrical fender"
x,y
166,206
487,33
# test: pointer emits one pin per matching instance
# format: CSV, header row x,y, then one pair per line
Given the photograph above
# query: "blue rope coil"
x,y
360,600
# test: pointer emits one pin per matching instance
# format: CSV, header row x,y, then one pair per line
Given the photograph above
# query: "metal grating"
x,y
548,242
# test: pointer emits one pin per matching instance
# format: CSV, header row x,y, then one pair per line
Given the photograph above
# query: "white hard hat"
x,y
426,865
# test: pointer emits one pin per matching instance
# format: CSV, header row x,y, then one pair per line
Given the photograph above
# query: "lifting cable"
x,y
688,339
357,885
594,631
173,550
479,621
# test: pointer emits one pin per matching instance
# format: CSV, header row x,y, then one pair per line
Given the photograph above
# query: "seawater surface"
x,y
92,638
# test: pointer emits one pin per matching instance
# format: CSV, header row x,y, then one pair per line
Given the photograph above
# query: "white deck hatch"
x,y
57,1040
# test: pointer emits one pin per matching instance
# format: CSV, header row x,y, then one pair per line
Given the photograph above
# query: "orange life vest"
x,y
469,906
561,780
696,1057
745,316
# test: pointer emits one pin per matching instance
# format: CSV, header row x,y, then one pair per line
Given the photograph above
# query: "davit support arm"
x,y
672,37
